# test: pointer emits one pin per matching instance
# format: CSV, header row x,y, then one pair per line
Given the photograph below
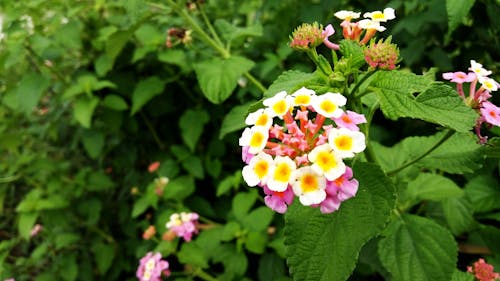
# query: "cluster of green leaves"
x,y
90,95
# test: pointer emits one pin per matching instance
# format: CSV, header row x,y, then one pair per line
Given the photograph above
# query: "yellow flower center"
x,y
262,120
328,106
261,169
308,183
326,161
282,172
488,85
256,139
344,142
378,16
280,107
302,100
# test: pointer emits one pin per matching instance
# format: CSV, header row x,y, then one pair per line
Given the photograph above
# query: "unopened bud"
x,y
169,236
149,232
382,55
307,36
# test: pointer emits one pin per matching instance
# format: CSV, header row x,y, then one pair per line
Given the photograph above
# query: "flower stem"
x,y
436,145
360,82
153,131
256,82
209,25
203,275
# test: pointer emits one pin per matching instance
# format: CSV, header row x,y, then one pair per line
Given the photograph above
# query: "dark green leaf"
x,y
484,193
242,203
325,247
144,91
191,124
30,90
461,276
416,249
255,242
457,11
93,142
115,102
193,166
179,188
289,81
352,50
103,255
234,120
433,187
192,254
458,213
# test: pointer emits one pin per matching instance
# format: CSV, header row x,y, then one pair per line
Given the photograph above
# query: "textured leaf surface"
x,y
418,249
484,193
457,11
433,187
458,213
218,77
326,247
289,81
352,50
437,103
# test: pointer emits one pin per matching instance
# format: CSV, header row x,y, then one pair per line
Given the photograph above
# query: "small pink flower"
x,y
245,155
483,271
346,186
10,279
151,267
329,31
349,120
459,77
36,229
278,201
490,113
153,166
183,225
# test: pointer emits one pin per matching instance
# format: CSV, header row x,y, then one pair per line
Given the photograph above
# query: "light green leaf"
x,y
84,109
26,222
258,219
228,183
93,142
68,268
433,187
65,239
458,213
191,124
193,166
179,188
289,81
192,254
438,103
492,149
457,11
103,255
115,102
352,50
218,77
234,119
418,249
30,89
461,276
175,57
231,32
144,91
255,242
323,247
484,193
242,203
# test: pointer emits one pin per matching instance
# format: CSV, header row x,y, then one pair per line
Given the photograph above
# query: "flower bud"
x,y
307,36
382,55
149,232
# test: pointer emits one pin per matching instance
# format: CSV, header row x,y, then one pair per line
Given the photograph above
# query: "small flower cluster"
x,y
177,36
307,36
303,154
483,271
151,267
382,55
478,98
183,225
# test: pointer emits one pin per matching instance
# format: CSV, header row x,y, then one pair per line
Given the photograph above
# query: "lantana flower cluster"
x,y
477,98
483,271
296,146
183,225
152,267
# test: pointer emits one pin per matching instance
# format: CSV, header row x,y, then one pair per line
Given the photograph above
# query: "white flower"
x,y
387,14
478,69
326,162
282,174
346,142
329,104
278,105
346,15
260,117
488,83
370,24
255,138
258,170
309,186
302,96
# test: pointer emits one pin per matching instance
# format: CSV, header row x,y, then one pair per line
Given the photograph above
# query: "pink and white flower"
x,y
151,267
183,225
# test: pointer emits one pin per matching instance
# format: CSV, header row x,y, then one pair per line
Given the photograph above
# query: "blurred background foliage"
x,y
91,95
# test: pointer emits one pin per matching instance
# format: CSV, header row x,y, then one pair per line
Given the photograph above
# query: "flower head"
x,y
255,138
383,55
488,84
483,271
490,113
151,267
310,186
153,166
478,69
278,105
329,104
387,14
326,162
347,15
149,232
307,36
282,173
459,77
260,117
183,225
346,142
258,169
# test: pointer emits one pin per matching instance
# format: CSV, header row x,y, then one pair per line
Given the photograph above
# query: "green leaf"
x,y
289,81
93,142
228,183
26,222
103,255
175,57
30,89
457,11
417,249
461,276
352,50
458,213
484,193
65,239
258,219
179,188
192,254
235,262
438,103
234,120
492,148
99,181
191,124
271,267
324,247
144,91
84,109
219,77
68,268
231,32
433,187
115,102
242,203
255,242
193,166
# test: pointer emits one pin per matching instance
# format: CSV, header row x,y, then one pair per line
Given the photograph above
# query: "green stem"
x,y
313,55
361,82
209,25
436,145
256,82
8,179
203,275
153,131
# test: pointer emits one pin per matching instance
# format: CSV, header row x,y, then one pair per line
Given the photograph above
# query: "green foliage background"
x,y
90,96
